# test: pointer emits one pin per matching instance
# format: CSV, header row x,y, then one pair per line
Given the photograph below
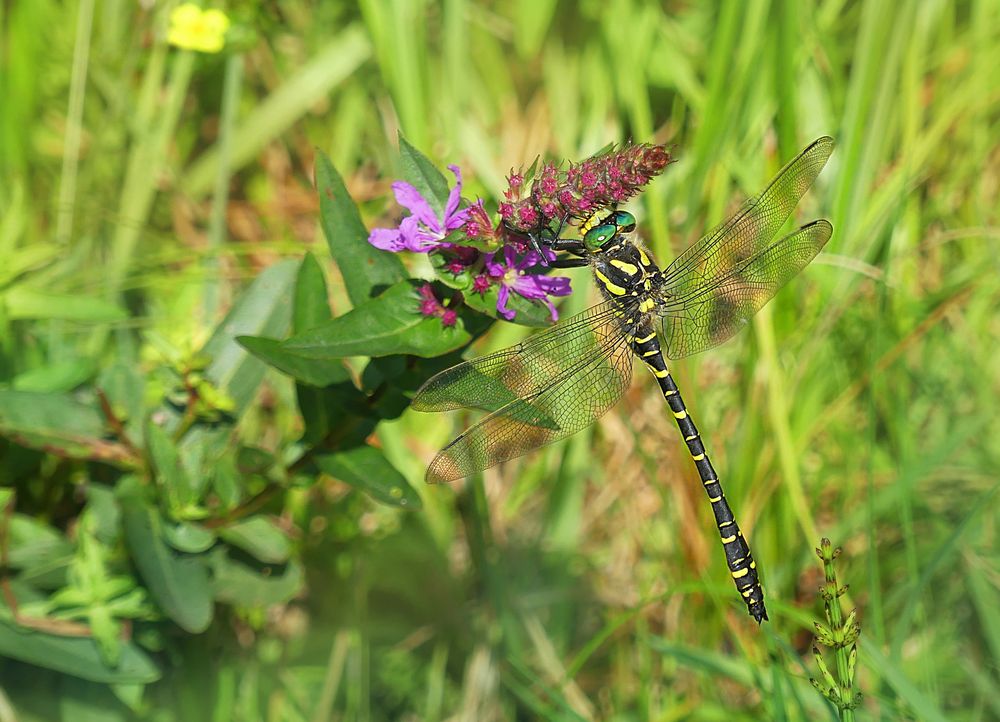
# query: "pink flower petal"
x,y
555,285
503,295
410,198
455,195
415,238
529,287
388,239
456,220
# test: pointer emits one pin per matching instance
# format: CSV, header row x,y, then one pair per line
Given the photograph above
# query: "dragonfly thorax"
x,y
624,271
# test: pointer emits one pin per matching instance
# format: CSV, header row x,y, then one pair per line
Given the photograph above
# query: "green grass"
x,y
584,581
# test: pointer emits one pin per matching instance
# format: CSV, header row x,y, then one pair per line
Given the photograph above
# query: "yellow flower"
x,y
192,28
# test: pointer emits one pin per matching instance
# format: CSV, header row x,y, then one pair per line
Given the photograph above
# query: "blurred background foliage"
x,y
144,187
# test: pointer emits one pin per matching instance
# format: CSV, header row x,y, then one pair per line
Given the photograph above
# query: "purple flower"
x,y
422,231
600,181
510,274
431,306
481,284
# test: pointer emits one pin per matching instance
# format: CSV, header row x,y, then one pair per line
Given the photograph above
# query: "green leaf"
x,y
366,270
188,537
320,407
56,422
170,474
227,481
102,505
315,372
528,313
179,584
124,387
423,175
25,303
254,460
388,324
33,543
76,656
58,377
245,586
263,309
27,258
392,380
339,410
366,468
259,537
311,306
49,415
80,701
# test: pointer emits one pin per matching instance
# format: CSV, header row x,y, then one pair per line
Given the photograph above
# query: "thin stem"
x,y
74,122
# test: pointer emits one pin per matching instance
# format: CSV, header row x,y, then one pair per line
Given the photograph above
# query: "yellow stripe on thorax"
x,y
591,221
629,268
613,288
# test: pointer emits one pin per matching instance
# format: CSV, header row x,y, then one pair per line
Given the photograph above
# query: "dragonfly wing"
x,y
699,315
571,399
750,230
492,382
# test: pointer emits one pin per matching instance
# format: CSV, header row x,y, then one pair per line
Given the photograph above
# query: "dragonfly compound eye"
x,y
597,237
623,220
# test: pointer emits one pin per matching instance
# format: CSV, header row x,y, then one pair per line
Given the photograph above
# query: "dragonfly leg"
x,y
568,263
738,557
569,245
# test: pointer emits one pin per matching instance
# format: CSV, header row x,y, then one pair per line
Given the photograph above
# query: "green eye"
x,y
597,237
623,221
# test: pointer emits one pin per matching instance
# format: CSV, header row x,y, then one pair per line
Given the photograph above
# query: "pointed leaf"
x,y
57,377
170,474
259,537
263,309
366,269
366,468
241,584
178,583
388,324
315,372
32,543
48,415
311,306
423,175
76,656
27,303
318,406
57,422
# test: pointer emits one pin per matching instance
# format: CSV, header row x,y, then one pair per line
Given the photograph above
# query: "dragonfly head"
x,y
608,230
623,220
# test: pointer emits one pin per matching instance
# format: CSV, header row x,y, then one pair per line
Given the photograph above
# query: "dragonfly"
x,y
560,380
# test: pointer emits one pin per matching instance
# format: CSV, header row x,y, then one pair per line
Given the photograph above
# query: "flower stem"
x,y
841,635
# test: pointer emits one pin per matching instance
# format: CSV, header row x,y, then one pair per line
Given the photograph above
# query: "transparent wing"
x,y
491,382
752,227
705,313
572,398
